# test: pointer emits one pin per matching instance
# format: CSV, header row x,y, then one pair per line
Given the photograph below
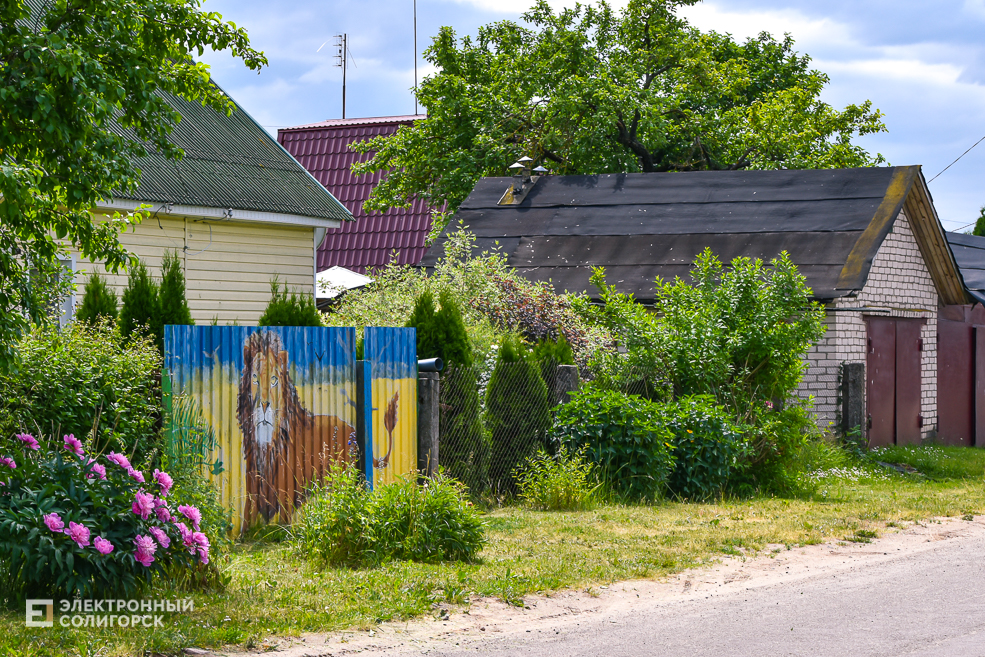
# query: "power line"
x,y
956,160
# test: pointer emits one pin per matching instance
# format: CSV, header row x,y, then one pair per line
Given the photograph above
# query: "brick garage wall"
x,y
898,280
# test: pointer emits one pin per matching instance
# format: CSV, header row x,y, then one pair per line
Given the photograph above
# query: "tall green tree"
x,y
591,90
174,305
83,86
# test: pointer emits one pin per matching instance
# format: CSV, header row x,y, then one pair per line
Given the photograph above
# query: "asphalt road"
x,y
927,603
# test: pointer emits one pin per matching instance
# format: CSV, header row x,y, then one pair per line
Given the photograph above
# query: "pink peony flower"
x,y
201,546
162,539
162,510
118,459
96,470
101,544
9,462
28,441
54,522
78,533
73,445
186,536
143,504
146,547
191,513
164,480
136,474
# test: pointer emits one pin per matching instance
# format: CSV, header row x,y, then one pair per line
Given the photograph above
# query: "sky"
x,y
921,62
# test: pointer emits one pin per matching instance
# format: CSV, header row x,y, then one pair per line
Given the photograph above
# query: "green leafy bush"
x,y
97,301
84,378
518,414
561,482
174,306
709,449
344,523
141,311
73,525
623,437
289,308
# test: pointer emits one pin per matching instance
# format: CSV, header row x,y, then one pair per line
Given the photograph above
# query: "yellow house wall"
x,y
228,264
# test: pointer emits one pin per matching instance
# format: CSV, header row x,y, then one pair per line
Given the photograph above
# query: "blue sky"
x,y
921,62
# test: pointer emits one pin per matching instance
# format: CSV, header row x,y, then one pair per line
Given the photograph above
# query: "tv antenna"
x,y
342,56
415,57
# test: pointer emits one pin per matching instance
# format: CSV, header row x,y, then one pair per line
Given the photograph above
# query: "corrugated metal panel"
x,y
281,401
392,355
323,149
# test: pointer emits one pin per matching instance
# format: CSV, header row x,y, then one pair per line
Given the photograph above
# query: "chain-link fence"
x,y
491,421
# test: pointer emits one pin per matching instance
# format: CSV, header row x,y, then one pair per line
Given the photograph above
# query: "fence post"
x,y
428,386
853,396
565,383
364,419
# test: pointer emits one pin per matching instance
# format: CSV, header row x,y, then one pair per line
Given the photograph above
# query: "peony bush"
x,y
76,525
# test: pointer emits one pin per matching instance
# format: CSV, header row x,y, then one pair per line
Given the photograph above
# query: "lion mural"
x,y
285,445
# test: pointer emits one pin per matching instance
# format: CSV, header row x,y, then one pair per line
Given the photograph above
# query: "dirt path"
x,y
490,622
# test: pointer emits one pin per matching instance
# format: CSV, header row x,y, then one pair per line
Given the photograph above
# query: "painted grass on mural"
x,y
272,594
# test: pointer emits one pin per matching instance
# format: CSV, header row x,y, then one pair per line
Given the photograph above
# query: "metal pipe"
x,y
430,365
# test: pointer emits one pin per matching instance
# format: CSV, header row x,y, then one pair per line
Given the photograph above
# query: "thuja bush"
x,y
623,436
289,308
98,301
82,378
710,450
344,523
74,525
174,305
518,413
466,445
141,310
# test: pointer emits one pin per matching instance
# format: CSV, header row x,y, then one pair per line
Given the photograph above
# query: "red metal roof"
x,y
323,149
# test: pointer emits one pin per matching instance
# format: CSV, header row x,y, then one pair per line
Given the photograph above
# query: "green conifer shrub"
x,y
518,414
423,319
289,308
97,301
454,341
141,309
174,306
464,443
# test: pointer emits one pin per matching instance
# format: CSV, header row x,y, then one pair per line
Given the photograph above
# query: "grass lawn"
x,y
275,592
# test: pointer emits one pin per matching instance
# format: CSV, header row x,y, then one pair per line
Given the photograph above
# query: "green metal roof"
x,y
231,162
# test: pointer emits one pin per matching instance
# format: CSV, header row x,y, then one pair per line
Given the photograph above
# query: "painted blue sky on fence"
x,y
921,62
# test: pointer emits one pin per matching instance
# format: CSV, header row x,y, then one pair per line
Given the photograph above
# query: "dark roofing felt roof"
x,y
231,162
644,225
369,241
969,252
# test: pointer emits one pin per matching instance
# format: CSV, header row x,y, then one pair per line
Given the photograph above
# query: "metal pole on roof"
x,y
344,53
415,57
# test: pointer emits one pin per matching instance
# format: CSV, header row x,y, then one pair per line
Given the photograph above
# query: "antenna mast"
x,y
415,57
342,61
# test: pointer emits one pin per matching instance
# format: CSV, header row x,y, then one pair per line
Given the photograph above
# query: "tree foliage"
x,y
979,228
141,311
589,90
83,96
174,305
289,308
98,301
